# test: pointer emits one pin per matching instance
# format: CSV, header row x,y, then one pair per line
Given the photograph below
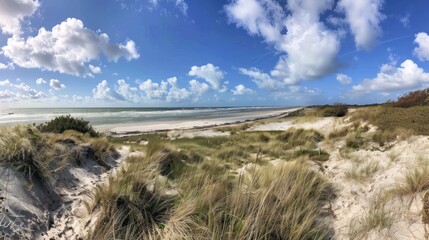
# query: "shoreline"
x,y
122,130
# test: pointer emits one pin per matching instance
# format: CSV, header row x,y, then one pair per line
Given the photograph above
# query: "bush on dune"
x,y
63,123
411,99
338,110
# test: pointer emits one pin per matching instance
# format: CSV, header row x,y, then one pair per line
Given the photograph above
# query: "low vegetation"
x,y
361,173
412,99
379,217
208,201
63,123
39,155
413,182
338,110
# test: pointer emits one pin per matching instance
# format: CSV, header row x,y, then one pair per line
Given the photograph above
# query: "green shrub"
x,y
63,123
335,111
315,155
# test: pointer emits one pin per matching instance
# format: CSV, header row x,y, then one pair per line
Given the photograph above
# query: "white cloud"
x,y
67,48
390,78
198,88
422,49
103,92
24,87
6,94
310,48
5,83
211,74
262,18
93,69
262,80
56,84
40,81
241,89
13,12
364,19
127,92
154,90
3,66
344,79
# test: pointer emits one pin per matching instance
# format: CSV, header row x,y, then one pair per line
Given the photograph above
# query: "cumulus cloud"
x,y
5,83
262,80
241,89
103,92
154,90
127,92
198,88
310,48
56,84
40,81
344,79
67,48
211,74
24,87
390,78
422,49
166,90
25,92
13,12
94,69
364,18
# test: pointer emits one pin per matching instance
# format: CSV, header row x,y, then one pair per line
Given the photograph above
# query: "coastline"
x,y
120,130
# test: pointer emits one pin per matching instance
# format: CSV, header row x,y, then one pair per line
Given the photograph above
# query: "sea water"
x,y
112,116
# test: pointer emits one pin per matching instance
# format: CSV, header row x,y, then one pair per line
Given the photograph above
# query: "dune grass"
x,y
211,202
379,216
38,155
25,149
361,173
388,118
413,182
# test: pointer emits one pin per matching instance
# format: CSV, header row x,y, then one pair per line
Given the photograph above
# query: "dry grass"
x,y
269,203
412,183
39,155
362,173
379,217
412,120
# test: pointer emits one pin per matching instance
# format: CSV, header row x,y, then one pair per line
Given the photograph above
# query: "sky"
x,y
193,53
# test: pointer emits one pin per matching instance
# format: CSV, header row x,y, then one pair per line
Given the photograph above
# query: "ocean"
x,y
99,117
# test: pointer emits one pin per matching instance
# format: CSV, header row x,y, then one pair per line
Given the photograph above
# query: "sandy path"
x,y
69,221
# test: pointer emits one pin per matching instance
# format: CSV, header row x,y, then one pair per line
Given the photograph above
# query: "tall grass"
x,y
25,149
286,202
38,155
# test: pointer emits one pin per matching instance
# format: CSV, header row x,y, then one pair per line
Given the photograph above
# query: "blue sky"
x,y
93,53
